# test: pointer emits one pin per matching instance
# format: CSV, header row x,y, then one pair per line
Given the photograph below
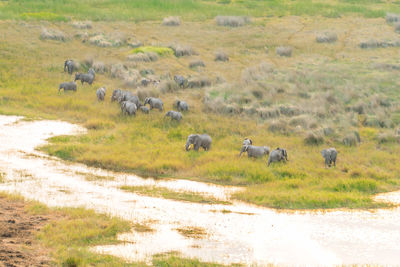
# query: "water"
x,y
248,234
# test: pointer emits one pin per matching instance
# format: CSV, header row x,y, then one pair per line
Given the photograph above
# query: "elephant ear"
x,y
323,152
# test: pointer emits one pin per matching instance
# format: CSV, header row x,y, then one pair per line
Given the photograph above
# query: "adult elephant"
x,y
329,155
198,140
255,151
154,103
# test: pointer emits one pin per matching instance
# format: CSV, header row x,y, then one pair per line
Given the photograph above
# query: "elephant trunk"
x,y
187,146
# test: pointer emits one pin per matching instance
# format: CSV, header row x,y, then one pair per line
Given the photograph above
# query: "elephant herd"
x,y
130,104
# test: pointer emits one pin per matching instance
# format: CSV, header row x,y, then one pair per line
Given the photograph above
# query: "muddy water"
x,y
247,234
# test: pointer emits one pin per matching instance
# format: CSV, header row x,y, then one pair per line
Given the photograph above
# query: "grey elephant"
x,y
128,107
67,86
101,93
91,71
88,78
116,94
255,151
329,155
181,105
279,154
154,103
181,81
128,96
144,109
69,65
175,115
198,140
247,142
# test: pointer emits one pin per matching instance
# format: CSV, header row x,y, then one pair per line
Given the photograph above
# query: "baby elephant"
x,y
181,105
329,155
247,142
101,93
277,155
255,151
144,109
68,86
154,103
198,140
175,115
128,107
88,78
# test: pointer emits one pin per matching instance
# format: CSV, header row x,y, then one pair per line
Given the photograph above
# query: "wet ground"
x,y
237,233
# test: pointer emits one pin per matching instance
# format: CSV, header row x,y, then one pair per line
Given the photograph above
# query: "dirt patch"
x,y
18,245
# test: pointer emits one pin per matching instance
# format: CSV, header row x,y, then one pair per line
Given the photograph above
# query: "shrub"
x,y
268,113
278,127
198,82
328,131
82,24
289,111
232,21
326,38
313,138
53,34
182,50
221,56
99,67
134,43
397,27
387,138
351,139
391,17
159,50
284,51
100,40
196,63
143,57
144,93
167,86
171,21
379,44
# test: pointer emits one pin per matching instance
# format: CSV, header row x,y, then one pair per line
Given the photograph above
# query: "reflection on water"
x,y
248,234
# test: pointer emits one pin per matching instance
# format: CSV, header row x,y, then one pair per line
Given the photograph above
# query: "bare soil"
x,y
18,228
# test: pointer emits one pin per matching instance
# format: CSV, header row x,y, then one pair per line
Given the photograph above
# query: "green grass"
x,y
162,51
174,195
138,10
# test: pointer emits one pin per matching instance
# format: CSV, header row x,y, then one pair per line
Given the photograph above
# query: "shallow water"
x,y
248,234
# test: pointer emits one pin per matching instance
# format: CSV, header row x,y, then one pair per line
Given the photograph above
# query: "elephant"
x,y
128,107
91,71
115,94
175,115
276,155
181,81
88,78
255,151
145,109
198,140
181,105
69,65
247,142
101,93
128,96
154,103
67,86
329,155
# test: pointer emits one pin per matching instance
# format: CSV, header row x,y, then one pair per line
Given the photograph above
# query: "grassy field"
x,y
138,10
314,99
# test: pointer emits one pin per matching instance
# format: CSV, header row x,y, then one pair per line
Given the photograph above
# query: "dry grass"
x,y
143,57
329,37
284,51
232,21
196,63
53,34
192,232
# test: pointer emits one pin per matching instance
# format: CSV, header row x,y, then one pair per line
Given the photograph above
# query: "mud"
x,y
18,245
247,234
